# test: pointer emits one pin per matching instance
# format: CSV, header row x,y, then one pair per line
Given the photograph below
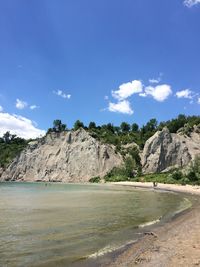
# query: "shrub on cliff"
x,y
96,179
193,174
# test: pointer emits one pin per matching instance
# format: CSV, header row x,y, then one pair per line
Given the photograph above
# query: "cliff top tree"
x,y
58,127
92,125
7,137
78,124
135,127
125,127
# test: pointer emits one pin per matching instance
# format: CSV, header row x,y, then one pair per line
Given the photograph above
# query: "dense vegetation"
x,y
176,176
127,133
10,147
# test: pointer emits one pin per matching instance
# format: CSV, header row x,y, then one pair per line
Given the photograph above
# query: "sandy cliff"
x,y
67,157
165,150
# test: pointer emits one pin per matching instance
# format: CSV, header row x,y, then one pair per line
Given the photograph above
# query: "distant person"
x,y
155,184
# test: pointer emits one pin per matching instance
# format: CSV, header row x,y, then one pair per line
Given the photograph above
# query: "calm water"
x,y
58,225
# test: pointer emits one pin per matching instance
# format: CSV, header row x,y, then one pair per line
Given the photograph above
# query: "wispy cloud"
x,y
32,107
20,104
187,93
198,101
1,108
154,80
62,94
191,3
19,125
121,107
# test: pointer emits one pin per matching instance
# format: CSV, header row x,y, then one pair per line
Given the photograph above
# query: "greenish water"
x,y
59,225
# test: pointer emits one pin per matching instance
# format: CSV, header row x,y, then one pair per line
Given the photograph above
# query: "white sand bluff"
x,y
72,156
165,150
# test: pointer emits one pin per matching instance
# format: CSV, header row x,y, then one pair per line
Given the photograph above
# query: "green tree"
x,y
92,125
135,154
7,137
194,170
134,127
63,127
58,126
108,128
125,127
10,147
130,165
175,124
78,124
151,125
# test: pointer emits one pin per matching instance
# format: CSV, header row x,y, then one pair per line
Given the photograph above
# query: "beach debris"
x,y
151,234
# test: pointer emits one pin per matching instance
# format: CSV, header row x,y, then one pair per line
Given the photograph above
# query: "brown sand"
x,y
176,243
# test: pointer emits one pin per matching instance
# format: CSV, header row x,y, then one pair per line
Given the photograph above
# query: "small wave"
x,y
108,249
149,223
186,204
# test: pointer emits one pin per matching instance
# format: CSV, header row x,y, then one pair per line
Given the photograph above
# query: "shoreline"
x,y
174,243
187,189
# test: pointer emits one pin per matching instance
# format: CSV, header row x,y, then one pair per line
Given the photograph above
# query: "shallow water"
x,y
58,225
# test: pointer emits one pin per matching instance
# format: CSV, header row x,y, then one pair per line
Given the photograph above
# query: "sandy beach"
x,y
176,243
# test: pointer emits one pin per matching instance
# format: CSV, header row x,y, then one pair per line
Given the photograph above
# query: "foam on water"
x,y
149,223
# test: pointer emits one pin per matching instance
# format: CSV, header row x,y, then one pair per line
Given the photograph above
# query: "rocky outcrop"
x,y
165,150
67,157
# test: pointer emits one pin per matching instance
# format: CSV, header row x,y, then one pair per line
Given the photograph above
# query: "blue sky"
x,y
103,61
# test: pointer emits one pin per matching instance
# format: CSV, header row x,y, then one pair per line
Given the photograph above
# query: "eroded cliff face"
x,y
67,157
165,150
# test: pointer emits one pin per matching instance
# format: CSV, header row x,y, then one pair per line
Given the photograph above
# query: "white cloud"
x,y
62,94
143,94
33,107
1,108
187,93
190,3
19,125
154,80
121,107
20,104
198,101
159,92
128,89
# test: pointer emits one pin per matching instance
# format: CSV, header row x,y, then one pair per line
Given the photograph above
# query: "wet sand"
x,y
176,243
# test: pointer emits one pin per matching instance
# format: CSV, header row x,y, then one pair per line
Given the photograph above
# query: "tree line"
x,y
128,133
